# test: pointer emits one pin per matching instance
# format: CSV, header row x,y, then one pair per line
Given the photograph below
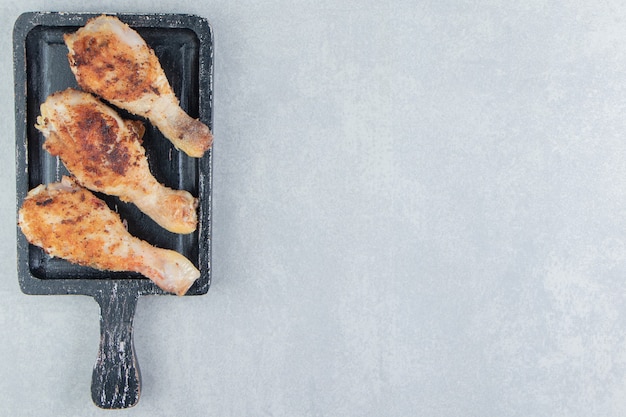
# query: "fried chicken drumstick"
x,y
111,60
105,154
71,223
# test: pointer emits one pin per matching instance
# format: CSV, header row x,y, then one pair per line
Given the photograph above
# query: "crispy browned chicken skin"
x,y
104,152
69,222
111,60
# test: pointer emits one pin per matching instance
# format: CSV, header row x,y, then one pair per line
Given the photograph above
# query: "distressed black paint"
x,y
116,380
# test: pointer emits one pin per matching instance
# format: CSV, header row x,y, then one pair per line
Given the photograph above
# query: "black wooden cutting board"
x,y
184,46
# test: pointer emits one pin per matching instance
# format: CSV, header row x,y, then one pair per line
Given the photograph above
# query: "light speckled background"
x,y
419,209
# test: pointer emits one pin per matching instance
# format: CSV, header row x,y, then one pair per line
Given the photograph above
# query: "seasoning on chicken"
x,y
104,153
71,223
111,60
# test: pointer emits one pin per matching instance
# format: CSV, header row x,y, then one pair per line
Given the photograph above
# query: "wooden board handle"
x,y
116,382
